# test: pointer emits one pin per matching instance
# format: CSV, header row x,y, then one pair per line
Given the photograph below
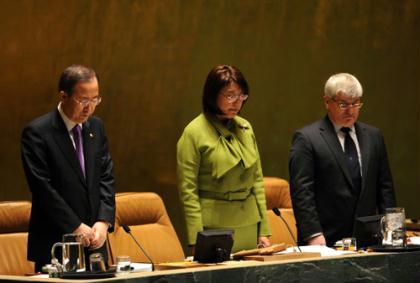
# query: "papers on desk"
x,y
40,276
323,250
413,240
140,267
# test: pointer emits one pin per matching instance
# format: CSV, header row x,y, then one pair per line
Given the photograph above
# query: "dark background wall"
x,y
153,57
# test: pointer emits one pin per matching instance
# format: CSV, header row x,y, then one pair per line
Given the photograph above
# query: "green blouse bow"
x,y
233,147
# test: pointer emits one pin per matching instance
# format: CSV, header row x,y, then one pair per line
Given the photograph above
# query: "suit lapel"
x,y
327,131
63,141
88,143
364,151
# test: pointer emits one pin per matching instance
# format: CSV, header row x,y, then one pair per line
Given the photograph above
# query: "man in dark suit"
x,y
338,168
69,170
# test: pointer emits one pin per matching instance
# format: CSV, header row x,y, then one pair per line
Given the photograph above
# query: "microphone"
x,y
278,213
128,231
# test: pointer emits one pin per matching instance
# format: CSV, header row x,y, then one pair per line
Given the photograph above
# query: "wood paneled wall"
x,y
153,56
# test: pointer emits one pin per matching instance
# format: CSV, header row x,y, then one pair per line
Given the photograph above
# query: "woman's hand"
x,y
263,242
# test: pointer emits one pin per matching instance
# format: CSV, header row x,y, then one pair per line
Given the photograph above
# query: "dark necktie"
x,y
77,136
352,159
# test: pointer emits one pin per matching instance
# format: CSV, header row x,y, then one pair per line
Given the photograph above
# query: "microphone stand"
x,y
128,231
278,213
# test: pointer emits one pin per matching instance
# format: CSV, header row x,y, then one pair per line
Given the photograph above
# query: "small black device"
x,y
213,246
367,231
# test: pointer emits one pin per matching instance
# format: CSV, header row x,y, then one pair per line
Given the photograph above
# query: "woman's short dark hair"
x,y
74,74
218,78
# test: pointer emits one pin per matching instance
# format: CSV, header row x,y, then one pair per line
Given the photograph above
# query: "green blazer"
x,y
220,179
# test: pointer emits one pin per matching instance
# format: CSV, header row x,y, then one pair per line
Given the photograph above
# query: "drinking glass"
x,y
97,262
123,264
349,244
393,227
72,253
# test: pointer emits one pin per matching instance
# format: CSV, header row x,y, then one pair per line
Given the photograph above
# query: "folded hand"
x,y
86,233
99,229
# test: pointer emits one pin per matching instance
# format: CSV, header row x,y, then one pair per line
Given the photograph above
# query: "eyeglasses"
x,y
344,105
85,101
235,97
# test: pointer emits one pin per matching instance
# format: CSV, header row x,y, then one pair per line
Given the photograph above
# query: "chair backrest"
x,y
146,215
14,223
277,193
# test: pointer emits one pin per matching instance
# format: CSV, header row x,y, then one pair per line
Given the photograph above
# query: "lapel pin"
x,y
91,135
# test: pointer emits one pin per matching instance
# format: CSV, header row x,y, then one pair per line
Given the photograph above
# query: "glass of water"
x,y
123,264
349,244
393,227
97,263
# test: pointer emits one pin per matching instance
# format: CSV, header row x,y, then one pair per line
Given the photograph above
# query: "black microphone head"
x,y
276,211
126,228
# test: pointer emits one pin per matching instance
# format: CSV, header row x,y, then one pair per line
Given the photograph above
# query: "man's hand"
x,y
99,229
317,240
263,241
87,234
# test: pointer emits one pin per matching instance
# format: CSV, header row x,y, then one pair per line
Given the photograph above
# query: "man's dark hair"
x,y
218,78
74,74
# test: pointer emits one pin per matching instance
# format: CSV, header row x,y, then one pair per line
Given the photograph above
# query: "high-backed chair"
x,y
277,193
14,222
146,215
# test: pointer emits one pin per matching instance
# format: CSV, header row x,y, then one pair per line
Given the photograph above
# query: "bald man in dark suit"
x,y
69,170
338,167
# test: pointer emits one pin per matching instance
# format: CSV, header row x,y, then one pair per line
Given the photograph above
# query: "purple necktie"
x,y
77,136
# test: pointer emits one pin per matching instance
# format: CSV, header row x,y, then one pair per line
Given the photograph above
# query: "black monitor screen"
x,y
367,231
213,246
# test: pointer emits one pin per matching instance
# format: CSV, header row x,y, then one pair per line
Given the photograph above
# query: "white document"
x,y
413,240
323,250
140,267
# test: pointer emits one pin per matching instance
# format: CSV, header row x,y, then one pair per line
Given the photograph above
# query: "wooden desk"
x,y
372,267
413,226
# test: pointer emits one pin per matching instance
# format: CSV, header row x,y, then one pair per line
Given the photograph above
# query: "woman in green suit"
x,y
220,179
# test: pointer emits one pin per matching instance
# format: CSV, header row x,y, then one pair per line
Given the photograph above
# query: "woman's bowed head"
x,y
225,92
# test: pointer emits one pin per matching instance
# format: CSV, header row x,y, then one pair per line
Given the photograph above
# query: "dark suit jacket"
x,y
321,186
61,197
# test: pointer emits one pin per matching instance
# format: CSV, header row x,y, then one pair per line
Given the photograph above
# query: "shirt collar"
x,y
337,128
69,123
